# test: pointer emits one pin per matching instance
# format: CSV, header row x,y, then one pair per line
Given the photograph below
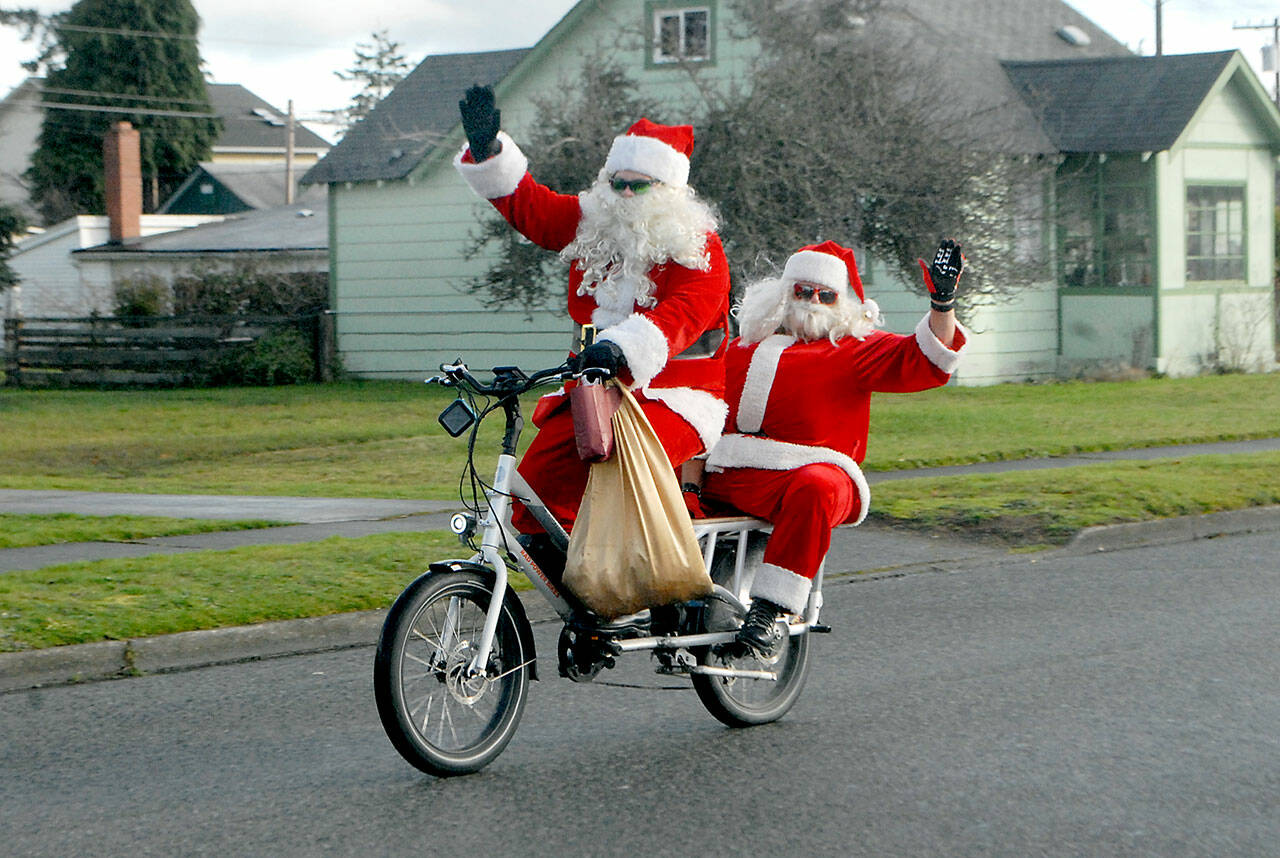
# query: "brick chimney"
x,y
122,160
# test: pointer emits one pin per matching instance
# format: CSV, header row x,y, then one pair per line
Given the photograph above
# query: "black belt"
x,y
703,347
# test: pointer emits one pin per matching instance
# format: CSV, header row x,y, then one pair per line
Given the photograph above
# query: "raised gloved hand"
x,y
603,356
943,275
481,120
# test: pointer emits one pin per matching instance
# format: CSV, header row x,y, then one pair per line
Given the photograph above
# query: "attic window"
x,y
1074,36
681,34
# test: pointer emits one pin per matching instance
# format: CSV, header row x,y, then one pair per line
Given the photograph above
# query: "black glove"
x,y
603,356
943,275
481,120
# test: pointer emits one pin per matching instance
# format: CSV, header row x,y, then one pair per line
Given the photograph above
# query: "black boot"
x,y
760,630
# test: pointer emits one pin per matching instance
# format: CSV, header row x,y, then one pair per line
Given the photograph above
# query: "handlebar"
x,y
507,380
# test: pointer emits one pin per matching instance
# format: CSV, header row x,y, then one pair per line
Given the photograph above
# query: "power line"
x,y
122,31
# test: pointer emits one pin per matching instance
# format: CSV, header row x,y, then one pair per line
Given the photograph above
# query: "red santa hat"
x,y
827,264
660,151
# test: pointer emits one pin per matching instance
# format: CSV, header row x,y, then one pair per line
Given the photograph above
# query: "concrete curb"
x,y
187,650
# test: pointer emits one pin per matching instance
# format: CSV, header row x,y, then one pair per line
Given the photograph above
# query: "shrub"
x,y
140,295
280,357
245,289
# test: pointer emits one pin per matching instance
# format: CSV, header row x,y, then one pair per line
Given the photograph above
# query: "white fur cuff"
x,y
782,587
643,345
704,412
939,355
498,176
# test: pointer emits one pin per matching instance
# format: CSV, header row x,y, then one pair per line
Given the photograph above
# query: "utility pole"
x,y
1274,26
1159,28
288,160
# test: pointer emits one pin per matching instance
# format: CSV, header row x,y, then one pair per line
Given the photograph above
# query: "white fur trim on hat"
x,y
497,176
643,345
704,412
810,266
781,586
939,355
759,381
650,156
753,451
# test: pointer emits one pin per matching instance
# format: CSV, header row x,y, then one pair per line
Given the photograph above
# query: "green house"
x,y
1157,215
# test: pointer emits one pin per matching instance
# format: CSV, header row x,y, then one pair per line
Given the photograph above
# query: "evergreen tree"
x,y
125,55
379,66
11,225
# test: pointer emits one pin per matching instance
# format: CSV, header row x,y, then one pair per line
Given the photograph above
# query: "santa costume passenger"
x,y
799,383
648,280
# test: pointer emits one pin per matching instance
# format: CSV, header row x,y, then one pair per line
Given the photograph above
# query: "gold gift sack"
x,y
633,546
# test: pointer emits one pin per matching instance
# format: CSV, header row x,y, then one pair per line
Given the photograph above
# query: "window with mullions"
x,y
681,34
1105,222
1215,233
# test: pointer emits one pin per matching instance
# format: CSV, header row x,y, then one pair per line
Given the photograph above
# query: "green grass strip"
x,y
161,594
24,531
1047,507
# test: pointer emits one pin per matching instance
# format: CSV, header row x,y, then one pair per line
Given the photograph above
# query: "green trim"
x,y
1160,162
331,200
652,6
1265,110
1096,291
1221,287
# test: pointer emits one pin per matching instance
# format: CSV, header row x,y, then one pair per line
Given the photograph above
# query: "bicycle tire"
x,y
420,682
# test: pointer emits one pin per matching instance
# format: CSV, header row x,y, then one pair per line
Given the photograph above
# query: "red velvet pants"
x,y
803,505
553,470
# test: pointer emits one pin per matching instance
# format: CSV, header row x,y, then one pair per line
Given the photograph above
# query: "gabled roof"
x,y
280,229
249,123
409,123
965,38
257,185
1117,104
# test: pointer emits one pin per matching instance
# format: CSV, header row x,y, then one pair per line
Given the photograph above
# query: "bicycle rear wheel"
x,y
442,719
744,702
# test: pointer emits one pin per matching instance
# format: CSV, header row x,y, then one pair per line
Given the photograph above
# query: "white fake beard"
x,y
812,320
621,238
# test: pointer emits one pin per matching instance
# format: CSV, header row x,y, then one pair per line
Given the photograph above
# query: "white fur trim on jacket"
x,y
704,412
650,156
782,587
753,451
810,266
759,381
643,345
939,355
497,176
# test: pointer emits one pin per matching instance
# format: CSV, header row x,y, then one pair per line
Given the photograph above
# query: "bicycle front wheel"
x,y
441,715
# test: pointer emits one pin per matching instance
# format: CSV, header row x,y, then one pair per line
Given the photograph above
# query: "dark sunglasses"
x,y
637,186
826,296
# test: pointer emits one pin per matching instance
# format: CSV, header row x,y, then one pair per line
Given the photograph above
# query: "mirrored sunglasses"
x,y
637,186
826,296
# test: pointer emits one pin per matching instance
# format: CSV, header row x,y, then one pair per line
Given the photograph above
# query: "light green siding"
x,y
1206,325
398,248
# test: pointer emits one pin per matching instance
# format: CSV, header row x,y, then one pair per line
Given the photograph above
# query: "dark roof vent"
x,y
1074,36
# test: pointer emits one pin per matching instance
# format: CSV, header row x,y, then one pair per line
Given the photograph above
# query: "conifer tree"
x,y
140,61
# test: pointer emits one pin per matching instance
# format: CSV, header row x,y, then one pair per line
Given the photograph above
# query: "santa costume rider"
x,y
799,384
648,288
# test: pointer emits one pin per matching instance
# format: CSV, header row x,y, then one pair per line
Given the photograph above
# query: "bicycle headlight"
x,y
463,524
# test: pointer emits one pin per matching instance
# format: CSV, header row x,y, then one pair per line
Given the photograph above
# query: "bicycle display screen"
x,y
457,417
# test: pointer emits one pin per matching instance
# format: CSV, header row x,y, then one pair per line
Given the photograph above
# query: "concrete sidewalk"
x,y
877,550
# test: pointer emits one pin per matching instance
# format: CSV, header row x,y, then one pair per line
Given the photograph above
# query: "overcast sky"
x,y
290,49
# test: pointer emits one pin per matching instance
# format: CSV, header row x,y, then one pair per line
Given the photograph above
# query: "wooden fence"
x,y
158,351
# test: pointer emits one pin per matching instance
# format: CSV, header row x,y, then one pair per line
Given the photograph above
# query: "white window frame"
x,y
658,56
1229,221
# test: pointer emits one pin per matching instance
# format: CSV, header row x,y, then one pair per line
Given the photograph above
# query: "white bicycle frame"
x,y
498,536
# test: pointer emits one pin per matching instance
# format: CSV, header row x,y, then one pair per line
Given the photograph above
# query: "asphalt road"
x,y
1113,704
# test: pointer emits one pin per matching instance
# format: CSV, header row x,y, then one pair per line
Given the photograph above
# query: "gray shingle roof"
x,y
258,184
411,120
242,128
284,228
1117,104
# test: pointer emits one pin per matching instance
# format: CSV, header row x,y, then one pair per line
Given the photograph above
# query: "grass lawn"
x,y
160,594
22,531
381,439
